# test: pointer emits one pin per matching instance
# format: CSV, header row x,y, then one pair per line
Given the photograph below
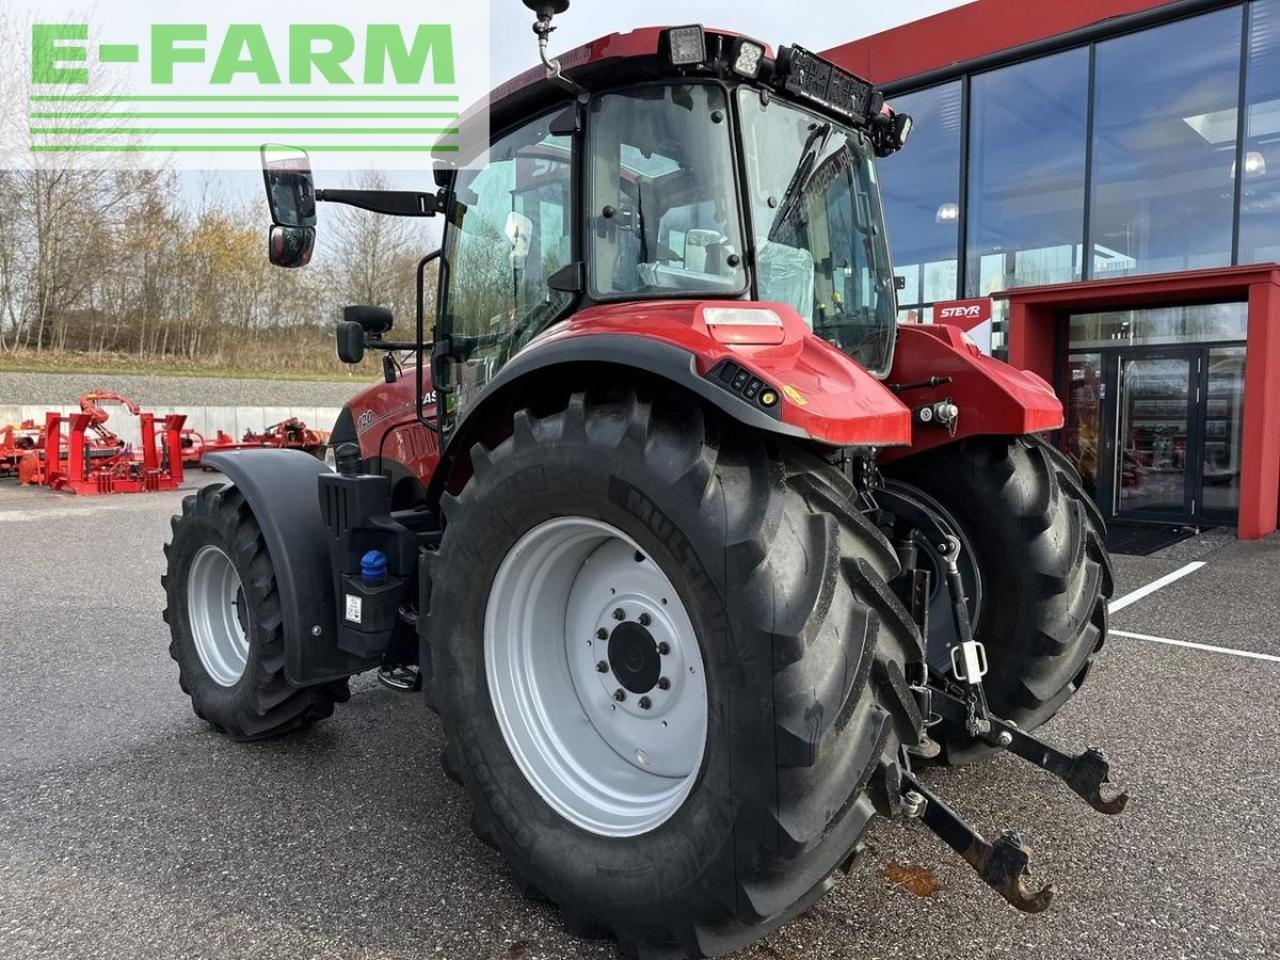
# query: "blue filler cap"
x,y
373,567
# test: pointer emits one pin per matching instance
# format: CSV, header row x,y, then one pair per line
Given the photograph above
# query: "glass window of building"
x,y
1164,147
921,189
1260,191
1157,326
1027,131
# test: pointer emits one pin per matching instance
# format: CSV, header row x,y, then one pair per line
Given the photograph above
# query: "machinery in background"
x,y
289,434
96,460
15,440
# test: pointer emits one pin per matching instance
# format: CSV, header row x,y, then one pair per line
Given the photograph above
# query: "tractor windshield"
x,y
663,211
819,230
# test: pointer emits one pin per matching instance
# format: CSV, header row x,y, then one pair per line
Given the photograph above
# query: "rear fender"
x,y
994,398
823,395
282,489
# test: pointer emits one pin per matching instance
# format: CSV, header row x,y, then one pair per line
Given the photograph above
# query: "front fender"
x,y
994,398
282,489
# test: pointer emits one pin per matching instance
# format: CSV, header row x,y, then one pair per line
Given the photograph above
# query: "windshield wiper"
x,y
813,145
644,239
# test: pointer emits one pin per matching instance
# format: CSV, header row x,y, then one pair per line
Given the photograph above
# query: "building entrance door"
x,y
1157,439
1156,431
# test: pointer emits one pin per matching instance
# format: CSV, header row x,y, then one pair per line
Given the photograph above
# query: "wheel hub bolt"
x,y
645,619
664,648
619,695
619,615
602,634
645,703
1005,738
602,666
664,683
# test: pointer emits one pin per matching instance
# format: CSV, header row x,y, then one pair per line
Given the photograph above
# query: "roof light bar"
x,y
809,77
687,46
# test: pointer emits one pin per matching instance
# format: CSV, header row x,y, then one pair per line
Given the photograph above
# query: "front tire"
x,y
793,647
1038,543
227,634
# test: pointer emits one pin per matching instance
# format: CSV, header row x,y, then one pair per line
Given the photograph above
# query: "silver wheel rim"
x,y
576,619
214,596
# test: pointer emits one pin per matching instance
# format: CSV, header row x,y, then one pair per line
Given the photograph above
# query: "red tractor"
x,y
700,556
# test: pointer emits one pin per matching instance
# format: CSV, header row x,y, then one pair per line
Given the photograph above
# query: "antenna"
x,y
544,10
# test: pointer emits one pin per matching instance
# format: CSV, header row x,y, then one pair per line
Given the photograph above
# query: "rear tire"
x,y
227,635
1039,544
803,645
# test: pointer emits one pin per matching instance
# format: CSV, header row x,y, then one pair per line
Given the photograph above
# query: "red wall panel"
x,y
973,30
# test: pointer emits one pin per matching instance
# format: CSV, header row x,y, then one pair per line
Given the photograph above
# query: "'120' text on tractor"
x,y
700,556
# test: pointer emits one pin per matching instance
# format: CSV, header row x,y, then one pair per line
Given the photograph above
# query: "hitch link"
x,y
1001,865
969,656
1087,774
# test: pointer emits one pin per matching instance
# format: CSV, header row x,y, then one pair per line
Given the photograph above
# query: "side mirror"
x,y
350,341
373,320
290,246
291,192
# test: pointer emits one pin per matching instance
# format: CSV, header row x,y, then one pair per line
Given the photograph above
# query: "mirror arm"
x,y
437,426
395,203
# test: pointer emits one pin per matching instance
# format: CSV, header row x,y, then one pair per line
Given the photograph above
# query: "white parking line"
x,y
1195,646
1153,586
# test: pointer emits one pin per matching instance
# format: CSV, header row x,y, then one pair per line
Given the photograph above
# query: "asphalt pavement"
x,y
128,829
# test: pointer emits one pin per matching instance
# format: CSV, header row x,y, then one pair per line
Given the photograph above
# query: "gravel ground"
x,y
129,830
158,392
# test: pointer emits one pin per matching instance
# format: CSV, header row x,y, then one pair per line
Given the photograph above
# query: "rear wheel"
x,y
227,635
1034,563
670,671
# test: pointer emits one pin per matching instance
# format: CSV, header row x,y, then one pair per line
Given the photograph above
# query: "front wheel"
x,y
1035,568
669,669
227,635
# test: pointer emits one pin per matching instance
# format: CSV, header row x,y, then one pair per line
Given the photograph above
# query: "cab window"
x,y
509,232
662,208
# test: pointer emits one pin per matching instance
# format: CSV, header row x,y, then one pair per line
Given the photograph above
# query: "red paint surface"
x,y
994,398
387,427
841,403
971,31
1035,313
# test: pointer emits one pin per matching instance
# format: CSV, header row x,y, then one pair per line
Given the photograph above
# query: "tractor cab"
x,y
678,164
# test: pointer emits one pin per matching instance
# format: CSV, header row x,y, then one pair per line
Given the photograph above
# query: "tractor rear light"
x,y
741,317
744,325
687,45
747,58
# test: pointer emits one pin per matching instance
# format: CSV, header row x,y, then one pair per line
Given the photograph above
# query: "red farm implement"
x,y
95,460
15,441
290,434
